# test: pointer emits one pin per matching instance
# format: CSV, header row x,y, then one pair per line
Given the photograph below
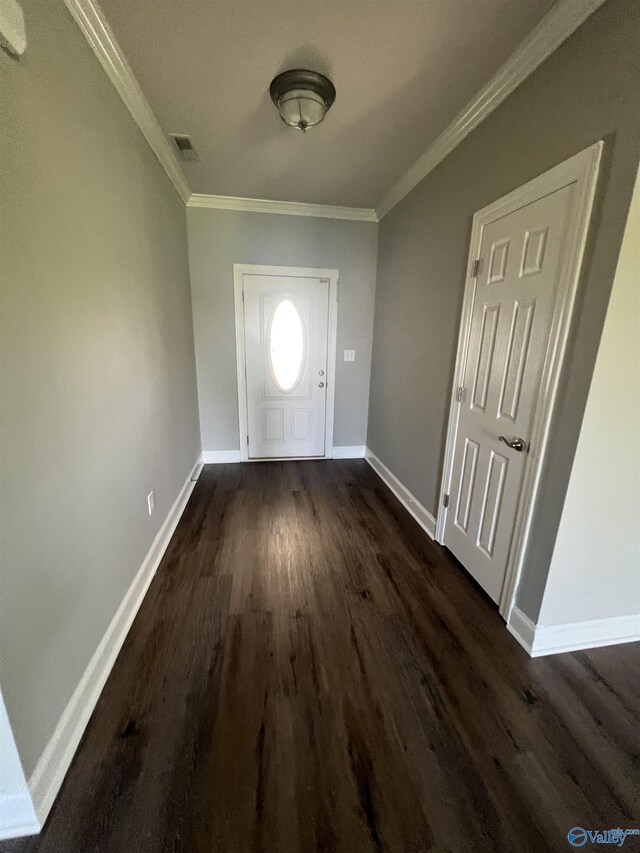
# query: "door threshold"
x,y
286,458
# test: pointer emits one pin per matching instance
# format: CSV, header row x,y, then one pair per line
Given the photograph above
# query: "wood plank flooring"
x,y
309,672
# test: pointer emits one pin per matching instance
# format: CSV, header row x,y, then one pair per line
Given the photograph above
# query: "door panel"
x,y
286,337
517,350
467,482
484,364
492,501
521,256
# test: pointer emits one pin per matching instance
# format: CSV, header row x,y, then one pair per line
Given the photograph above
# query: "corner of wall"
x,y
17,813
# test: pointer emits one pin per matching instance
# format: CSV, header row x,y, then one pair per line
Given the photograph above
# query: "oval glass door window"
x,y
286,346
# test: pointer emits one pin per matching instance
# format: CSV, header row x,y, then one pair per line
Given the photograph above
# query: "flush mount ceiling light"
x,y
302,97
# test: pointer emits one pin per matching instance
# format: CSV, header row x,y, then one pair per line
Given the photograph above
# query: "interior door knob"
x,y
518,444
320,384
321,373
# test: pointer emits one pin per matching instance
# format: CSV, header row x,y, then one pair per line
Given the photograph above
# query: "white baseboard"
x,y
351,451
218,457
541,640
56,758
551,639
409,501
522,629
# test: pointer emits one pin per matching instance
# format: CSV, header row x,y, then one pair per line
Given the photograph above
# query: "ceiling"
x,y
402,69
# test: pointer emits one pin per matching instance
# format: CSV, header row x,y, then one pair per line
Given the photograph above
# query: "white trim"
x,y
522,629
353,451
197,470
220,457
54,762
422,515
541,640
556,26
560,22
293,208
582,169
240,270
551,639
89,17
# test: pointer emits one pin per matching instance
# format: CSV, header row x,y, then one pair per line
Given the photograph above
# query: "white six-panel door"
x,y
286,334
520,262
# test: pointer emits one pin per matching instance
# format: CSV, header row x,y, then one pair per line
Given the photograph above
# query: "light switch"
x,y
349,355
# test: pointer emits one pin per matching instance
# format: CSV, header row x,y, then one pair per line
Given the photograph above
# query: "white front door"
x,y
520,263
286,326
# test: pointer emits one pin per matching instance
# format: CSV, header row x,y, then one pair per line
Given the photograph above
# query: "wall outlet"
x,y
151,501
349,355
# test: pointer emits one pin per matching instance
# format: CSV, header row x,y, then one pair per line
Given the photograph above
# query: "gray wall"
x,y
98,388
218,239
587,90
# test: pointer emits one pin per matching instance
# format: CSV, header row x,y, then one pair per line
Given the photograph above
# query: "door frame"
x,y
239,271
581,169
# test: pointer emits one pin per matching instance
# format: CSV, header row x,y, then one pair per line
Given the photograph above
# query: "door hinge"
x,y
461,394
445,501
247,440
476,268
243,297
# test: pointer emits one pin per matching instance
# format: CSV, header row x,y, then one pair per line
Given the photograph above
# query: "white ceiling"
x,y
402,69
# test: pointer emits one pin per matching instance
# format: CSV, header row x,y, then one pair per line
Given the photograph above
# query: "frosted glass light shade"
x,y
301,109
302,97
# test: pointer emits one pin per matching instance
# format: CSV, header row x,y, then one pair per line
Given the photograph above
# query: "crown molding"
x,y
89,17
292,208
560,22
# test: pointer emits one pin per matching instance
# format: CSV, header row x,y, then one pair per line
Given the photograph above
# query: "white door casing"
x,y
513,333
285,381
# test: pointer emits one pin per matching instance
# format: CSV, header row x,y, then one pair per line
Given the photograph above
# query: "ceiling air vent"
x,y
186,151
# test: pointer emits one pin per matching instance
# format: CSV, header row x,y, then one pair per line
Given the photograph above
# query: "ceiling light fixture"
x,y
302,97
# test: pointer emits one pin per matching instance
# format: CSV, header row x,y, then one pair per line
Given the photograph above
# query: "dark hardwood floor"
x,y
309,672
